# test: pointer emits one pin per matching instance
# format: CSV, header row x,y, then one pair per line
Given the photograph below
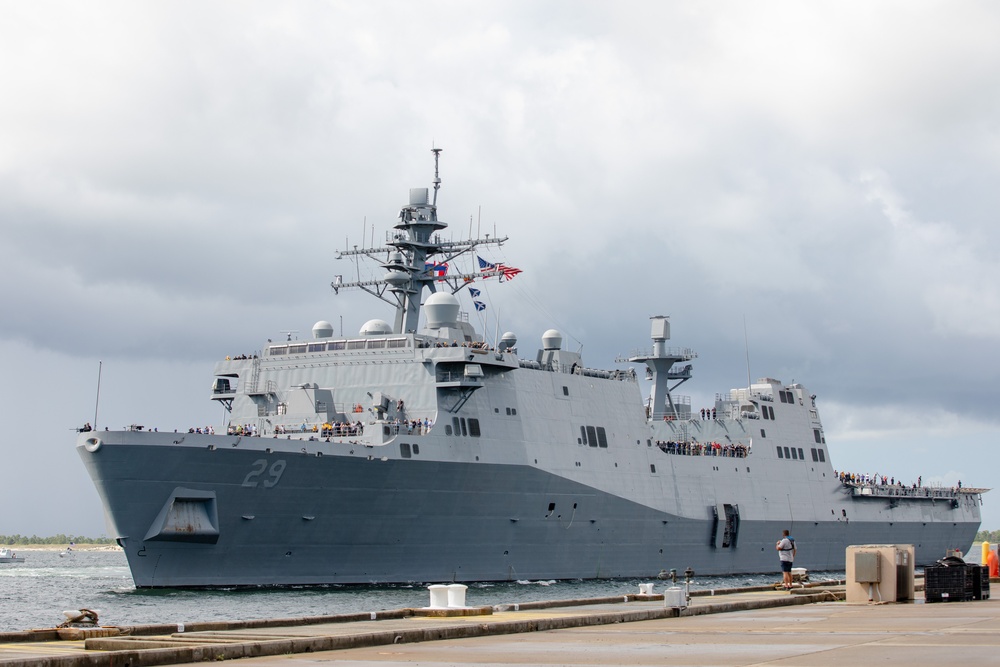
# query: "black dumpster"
x,y
954,580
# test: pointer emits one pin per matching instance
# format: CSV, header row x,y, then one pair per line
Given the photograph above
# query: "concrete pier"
x,y
738,627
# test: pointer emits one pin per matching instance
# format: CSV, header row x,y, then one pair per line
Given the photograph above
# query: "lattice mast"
x,y
413,256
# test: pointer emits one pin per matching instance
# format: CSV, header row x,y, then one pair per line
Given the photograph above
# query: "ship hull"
x,y
203,513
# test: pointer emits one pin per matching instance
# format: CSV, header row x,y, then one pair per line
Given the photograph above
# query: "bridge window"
x,y
474,428
404,450
780,455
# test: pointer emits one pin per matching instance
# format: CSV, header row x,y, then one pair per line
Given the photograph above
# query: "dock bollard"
x,y
439,596
456,595
646,589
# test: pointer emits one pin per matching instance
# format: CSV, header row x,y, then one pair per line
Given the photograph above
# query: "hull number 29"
x,y
271,475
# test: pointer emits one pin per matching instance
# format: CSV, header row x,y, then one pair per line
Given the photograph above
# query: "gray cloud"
x,y
175,181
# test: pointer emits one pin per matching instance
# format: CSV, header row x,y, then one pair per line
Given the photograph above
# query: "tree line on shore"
x,y
991,536
11,540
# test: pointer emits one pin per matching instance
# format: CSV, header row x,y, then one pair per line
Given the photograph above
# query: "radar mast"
x,y
415,257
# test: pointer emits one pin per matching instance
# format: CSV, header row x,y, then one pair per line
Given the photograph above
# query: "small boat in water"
x,y
8,556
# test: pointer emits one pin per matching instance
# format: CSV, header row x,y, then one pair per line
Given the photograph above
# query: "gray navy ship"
x,y
420,451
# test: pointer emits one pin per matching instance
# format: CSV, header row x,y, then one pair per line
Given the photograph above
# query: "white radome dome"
x,y
322,329
551,340
441,309
508,341
375,328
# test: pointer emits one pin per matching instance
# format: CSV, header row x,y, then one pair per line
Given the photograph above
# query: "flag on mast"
x,y
506,272
438,269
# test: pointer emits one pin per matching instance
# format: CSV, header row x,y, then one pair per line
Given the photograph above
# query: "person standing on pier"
x,y
786,554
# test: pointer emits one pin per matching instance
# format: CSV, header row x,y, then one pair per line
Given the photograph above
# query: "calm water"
x,y
33,594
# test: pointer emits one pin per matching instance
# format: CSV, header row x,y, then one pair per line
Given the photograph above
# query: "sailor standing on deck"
x,y
786,554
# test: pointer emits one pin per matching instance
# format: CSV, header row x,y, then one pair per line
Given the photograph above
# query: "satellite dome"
x,y
551,340
397,278
508,341
441,309
375,328
322,329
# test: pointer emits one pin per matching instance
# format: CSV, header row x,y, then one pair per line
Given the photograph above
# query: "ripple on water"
x,y
33,594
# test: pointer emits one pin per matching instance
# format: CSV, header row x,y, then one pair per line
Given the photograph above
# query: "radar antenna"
x,y
437,179
415,258
289,332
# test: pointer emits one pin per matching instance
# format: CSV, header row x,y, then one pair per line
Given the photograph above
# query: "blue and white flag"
x,y
480,306
473,292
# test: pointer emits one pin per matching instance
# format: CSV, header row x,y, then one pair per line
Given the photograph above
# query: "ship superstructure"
x,y
419,451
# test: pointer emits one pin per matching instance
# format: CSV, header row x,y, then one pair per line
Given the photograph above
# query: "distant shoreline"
x,y
62,547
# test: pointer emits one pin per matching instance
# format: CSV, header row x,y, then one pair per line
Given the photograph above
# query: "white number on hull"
x,y
259,466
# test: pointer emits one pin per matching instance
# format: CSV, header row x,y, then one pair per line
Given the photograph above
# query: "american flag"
x,y
506,272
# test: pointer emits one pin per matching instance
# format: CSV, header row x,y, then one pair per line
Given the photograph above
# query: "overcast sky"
x,y
176,178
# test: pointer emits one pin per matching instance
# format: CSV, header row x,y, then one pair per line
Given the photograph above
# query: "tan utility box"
x,y
879,573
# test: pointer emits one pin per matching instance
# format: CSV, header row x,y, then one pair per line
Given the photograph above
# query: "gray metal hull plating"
x,y
350,519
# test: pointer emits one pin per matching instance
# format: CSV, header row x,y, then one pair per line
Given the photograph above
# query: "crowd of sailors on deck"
x,y
737,450
475,345
329,429
411,426
240,357
864,479
340,429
